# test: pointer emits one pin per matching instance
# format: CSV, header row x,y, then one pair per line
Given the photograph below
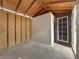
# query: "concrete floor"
x,y
33,50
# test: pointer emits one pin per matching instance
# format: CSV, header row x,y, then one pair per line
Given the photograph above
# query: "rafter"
x,y
43,6
61,14
18,5
40,10
30,6
62,11
1,3
58,1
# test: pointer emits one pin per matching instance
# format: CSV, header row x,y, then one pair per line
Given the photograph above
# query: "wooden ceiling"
x,y
38,7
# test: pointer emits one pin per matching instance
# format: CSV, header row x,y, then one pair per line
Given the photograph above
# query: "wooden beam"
x,y
38,12
42,12
61,14
18,5
30,6
59,1
44,7
41,5
61,11
1,3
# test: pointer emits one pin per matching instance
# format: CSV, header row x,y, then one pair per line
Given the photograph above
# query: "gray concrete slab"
x,y
34,50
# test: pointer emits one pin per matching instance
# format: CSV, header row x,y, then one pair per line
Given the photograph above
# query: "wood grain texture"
x,y
23,29
33,7
14,29
22,7
28,28
11,29
10,4
3,30
0,21
0,2
55,1
18,29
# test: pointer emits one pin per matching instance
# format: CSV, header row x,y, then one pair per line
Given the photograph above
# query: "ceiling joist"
x,y
57,1
18,5
38,7
30,6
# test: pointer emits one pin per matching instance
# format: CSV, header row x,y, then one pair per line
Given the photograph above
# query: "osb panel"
x,y
3,30
28,28
23,29
11,29
18,29
10,4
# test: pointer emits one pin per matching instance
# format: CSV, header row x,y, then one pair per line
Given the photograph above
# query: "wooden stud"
x,y
18,5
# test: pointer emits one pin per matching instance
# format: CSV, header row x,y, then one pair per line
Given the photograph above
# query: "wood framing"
x,y
11,29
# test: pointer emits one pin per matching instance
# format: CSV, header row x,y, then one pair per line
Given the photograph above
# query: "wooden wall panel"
x,y
3,30
23,29
18,29
4,20
28,28
3,41
0,21
14,29
11,29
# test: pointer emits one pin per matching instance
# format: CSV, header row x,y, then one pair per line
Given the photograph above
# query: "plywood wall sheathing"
x,y
28,28
11,29
18,29
3,30
14,29
34,8
23,29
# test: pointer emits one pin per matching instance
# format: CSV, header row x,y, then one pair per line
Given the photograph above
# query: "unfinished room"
x,y
39,29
